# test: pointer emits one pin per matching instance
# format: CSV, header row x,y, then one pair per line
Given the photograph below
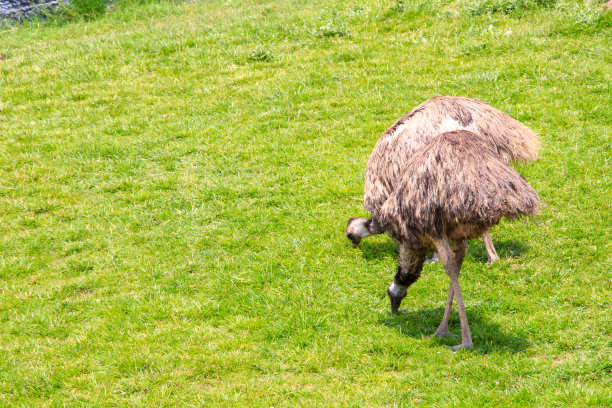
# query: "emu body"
x,y
509,138
455,187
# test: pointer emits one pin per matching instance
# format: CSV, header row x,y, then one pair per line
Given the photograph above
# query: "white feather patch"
x,y
397,289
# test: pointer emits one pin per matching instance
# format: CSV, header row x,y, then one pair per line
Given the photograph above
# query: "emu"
x,y
510,138
455,187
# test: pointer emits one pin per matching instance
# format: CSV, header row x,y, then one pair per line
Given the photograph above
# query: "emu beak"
x,y
357,229
354,239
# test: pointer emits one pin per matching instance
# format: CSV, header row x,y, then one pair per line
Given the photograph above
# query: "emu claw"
x,y
444,334
492,260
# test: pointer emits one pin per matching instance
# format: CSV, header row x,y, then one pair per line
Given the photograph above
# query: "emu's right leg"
x,y
459,252
488,243
448,257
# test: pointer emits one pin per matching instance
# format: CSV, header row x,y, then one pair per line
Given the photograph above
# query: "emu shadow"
x,y
376,249
488,337
505,249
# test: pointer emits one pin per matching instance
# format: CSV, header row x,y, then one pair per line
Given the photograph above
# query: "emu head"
x,y
396,293
357,229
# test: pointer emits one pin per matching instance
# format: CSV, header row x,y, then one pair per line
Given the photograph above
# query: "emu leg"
x,y
459,252
434,258
488,243
466,336
442,330
452,267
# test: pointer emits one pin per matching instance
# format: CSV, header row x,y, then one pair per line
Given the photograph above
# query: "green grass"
x,y
175,180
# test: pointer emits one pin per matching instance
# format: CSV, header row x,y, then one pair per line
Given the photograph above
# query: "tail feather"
x,y
513,140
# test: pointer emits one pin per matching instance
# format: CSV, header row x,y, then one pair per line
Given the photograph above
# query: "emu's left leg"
x,y
488,243
448,257
408,271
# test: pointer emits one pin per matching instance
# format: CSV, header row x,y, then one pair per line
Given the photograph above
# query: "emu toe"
x,y
460,347
492,259
442,334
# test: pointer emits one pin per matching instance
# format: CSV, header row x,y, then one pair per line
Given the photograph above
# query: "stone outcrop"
x,y
17,9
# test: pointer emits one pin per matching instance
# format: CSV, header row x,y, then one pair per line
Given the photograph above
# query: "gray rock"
x,y
18,9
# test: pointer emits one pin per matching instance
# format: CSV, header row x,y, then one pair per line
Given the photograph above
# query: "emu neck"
x,y
410,265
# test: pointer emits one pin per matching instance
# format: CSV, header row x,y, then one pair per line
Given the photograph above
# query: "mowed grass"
x,y
175,180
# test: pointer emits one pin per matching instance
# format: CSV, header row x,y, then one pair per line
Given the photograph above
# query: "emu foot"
x,y
492,259
442,334
460,347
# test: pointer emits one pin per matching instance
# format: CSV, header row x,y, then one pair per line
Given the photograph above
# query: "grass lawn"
x,y
176,177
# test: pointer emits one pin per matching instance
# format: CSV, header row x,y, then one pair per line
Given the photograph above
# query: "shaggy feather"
x,y
508,137
456,185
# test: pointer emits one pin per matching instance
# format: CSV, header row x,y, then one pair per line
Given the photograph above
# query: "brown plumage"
x,y
455,180
508,137
452,188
